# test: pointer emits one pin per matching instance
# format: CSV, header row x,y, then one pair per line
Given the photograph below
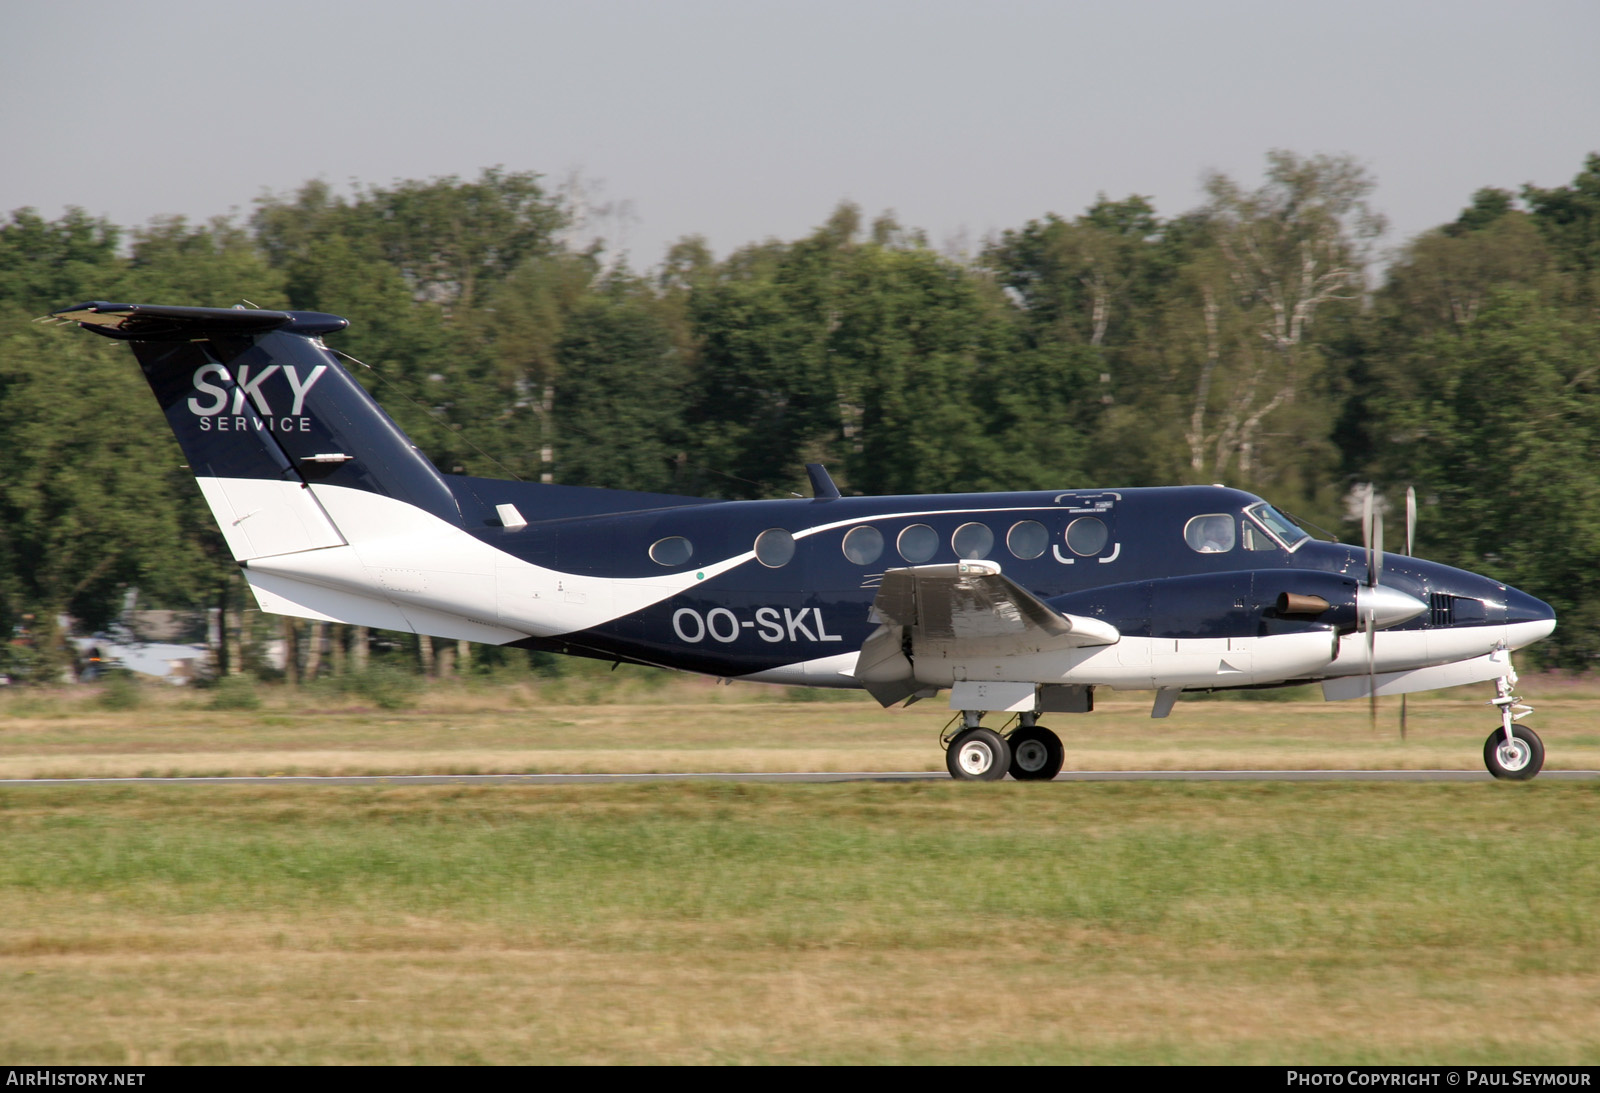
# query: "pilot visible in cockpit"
x,y
1211,534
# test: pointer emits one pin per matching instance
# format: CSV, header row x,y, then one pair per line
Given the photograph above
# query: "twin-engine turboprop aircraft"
x,y
1016,603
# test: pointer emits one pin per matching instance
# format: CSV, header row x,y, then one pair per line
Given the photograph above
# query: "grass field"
x,y
864,922
593,720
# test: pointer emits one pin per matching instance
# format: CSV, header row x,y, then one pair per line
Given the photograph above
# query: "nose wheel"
x,y
1517,759
1513,751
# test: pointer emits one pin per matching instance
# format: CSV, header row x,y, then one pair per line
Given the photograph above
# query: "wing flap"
x,y
971,607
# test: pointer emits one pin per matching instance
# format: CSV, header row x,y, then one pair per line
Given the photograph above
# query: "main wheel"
x,y
1518,760
978,755
1036,754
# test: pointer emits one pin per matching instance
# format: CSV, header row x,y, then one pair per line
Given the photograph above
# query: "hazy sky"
x,y
747,120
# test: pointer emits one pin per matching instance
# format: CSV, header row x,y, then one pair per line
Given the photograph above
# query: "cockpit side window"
x,y
1279,525
1256,539
1210,534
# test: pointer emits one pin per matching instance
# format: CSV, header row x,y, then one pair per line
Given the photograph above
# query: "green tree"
x,y
1091,298
1569,217
529,316
871,356
50,264
199,265
1286,253
621,416
85,509
1499,441
422,269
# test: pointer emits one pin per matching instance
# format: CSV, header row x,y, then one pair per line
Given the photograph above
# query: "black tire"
x,y
1036,754
978,755
1518,762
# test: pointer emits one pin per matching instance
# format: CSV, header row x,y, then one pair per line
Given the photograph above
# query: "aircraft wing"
x,y
968,609
973,605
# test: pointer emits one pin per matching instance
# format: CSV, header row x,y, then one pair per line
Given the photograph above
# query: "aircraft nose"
x,y
1523,608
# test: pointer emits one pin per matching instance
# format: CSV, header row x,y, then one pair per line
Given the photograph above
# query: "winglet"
x,y
822,487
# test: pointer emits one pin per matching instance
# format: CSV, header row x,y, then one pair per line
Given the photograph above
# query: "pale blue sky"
x,y
747,120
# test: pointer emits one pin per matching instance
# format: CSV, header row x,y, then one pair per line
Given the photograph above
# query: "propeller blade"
x,y
1411,550
1366,527
1371,533
1378,548
1372,670
1411,521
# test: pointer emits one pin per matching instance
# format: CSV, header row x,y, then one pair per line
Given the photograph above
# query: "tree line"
x,y
1252,340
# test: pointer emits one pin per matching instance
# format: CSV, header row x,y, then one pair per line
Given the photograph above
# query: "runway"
x,y
802,776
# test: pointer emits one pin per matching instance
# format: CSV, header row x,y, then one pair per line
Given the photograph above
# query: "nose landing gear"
x,y
1513,751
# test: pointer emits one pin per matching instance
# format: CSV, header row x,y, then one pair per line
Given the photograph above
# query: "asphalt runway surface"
x,y
803,776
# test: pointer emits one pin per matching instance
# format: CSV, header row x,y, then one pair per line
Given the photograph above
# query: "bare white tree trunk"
x,y
1099,307
425,655
233,630
547,429
1292,246
291,650
316,639
1195,437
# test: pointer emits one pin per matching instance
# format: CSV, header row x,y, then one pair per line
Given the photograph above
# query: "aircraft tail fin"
x,y
263,411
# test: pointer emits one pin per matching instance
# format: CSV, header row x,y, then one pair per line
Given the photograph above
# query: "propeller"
x,y
1411,520
1411,549
1372,534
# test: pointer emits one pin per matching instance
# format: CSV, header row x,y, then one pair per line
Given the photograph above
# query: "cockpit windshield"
x,y
1278,524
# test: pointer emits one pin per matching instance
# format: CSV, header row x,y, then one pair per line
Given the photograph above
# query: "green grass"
x,y
638,720
711,922
698,922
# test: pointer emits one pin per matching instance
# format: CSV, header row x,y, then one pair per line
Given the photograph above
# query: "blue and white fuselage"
x,y
1012,601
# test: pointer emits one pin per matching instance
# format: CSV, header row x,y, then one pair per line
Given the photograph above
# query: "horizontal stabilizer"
x,y
158,322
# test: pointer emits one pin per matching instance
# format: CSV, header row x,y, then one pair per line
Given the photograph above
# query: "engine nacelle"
x,y
1262,601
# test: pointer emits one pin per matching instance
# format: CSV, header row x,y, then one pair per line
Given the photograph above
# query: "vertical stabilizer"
x,y
263,411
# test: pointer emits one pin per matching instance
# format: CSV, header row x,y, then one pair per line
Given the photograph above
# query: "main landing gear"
x,y
1030,753
1512,751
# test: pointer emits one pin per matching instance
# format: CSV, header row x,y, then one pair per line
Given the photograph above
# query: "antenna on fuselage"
x,y
822,487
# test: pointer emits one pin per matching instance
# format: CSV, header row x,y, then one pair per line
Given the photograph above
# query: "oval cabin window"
x,y
917,543
863,545
1027,539
1087,536
774,548
673,550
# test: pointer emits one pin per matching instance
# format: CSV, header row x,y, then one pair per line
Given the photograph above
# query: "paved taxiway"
x,y
803,776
